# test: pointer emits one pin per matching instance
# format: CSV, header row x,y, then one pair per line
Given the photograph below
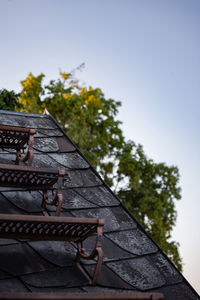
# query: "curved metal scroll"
x,y
29,154
97,251
57,198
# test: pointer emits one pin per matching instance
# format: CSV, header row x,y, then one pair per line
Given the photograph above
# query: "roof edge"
x,y
17,113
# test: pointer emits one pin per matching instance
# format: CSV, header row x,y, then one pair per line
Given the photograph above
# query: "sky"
x,y
145,53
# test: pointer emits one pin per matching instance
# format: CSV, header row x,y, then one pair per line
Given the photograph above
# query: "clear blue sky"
x,y
144,53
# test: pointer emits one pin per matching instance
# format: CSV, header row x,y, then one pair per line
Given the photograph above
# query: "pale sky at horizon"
x,y
144,53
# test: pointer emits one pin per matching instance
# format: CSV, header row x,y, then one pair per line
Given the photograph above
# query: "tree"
x,y
82,112
147,189
31,94
149,193
9,100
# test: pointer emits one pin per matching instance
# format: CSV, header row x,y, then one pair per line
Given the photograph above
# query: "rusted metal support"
x,y
18,138
57,198
97,251
56,229
34,179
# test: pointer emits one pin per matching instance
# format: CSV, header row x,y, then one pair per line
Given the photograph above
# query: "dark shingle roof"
x,y
132,261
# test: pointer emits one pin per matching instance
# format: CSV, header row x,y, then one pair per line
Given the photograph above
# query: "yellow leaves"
x,y
67,96
78,117
32,82
31,105
30,95
22,101
65,75
83,91
93,100
90,99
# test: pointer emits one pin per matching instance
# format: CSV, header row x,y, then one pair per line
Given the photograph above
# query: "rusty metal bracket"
x,y
97,251
18,138
57,198
34,179
57,229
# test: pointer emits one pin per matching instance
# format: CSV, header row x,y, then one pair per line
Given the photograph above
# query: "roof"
x,y
132,261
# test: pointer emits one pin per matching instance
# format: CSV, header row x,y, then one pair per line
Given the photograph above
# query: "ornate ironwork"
x,y
34,179
18,138
43,227
96,252
57,229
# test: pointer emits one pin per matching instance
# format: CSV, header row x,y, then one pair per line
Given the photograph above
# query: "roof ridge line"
x,y
25,114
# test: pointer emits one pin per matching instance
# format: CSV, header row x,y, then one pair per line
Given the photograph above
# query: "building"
x,y
132,262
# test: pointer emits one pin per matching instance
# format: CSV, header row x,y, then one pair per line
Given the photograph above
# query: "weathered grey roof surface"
x,y
132,261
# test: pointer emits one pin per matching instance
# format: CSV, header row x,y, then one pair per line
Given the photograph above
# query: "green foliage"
x,y
147,189
84,113
9,100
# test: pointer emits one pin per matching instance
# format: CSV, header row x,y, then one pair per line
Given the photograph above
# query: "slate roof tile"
x,y
90,178
46,144
54,289
44,161
73,179
64,144
8,189
124,219
4,275
110,249
112,222
81,178
134,241
168,271
8,242
108,278
7,158
70,160
41,123
59,253
72,200
14,120
28,201
179,291
66,277
138,272
107,290
7,207
48,133
12,285
27,121
18,259
98,195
